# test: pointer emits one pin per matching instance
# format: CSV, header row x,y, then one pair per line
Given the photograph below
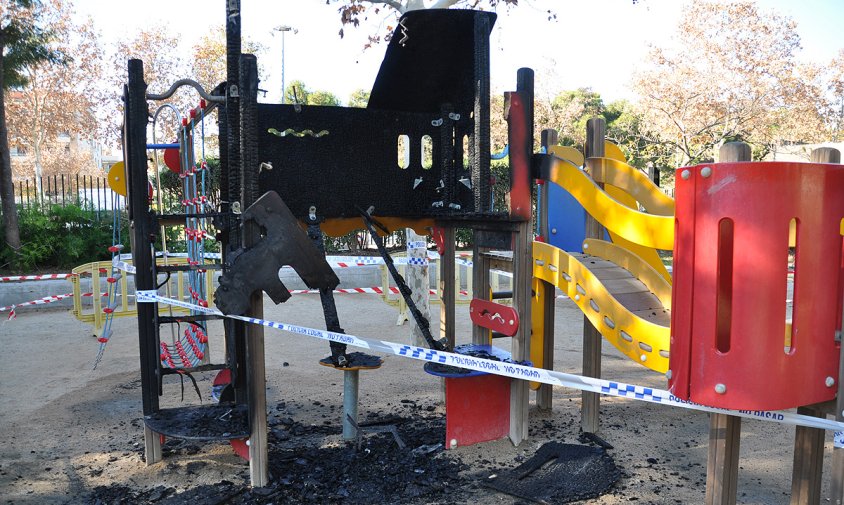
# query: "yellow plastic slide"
x,y
649,230
641,340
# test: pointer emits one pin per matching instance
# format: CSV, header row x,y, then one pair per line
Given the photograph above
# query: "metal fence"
x,y
83,190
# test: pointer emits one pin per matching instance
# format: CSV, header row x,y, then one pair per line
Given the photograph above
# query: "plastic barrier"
x,y
97,272
730,347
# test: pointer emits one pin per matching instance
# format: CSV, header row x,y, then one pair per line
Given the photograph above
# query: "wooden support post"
x,y
256,379
836,492
808,461
544,394
724,430
596,129
448,289
480,287
521,150
522,278
722,459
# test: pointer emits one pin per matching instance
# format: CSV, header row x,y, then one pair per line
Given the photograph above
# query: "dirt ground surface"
x,y
72,435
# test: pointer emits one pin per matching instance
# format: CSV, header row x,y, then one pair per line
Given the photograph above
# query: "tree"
x,y
23,41
835,103
321,97
359,98
352,11
296,92
208,63
162,67
58,98
571,110
730,74
208,68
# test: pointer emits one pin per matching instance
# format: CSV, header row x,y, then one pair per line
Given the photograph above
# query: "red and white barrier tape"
x,y
40,301
16,278
373,290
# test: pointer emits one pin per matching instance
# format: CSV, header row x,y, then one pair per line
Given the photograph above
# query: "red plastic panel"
x,y
494,316
730,286
477,409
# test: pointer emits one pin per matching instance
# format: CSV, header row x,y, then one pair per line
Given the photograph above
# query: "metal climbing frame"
x,y
185,354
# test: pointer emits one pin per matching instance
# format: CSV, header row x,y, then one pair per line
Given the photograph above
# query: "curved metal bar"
x,y
186,82
158,111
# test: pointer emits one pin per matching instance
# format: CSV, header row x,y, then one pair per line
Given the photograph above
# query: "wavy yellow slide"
x,y
649,230
641,340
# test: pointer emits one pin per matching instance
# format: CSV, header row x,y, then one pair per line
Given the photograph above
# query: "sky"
x,y
592,43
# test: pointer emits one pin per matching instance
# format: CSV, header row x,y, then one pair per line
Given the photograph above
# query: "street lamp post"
x,y
283,29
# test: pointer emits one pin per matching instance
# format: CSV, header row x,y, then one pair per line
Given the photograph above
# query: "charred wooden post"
x,y
134,138
254,334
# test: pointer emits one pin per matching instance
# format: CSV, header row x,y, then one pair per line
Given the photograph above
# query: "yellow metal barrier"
x,y
89,308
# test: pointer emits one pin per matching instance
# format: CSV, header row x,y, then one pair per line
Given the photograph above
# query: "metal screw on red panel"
x,y
685,174
720,389
706,171
829,382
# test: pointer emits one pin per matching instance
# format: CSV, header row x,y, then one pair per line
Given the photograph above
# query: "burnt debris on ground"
x,y
310,464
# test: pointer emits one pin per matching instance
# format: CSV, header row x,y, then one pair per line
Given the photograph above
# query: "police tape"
x,y
518,371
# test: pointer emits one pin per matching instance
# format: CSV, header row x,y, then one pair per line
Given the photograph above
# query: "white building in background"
x,y
800,152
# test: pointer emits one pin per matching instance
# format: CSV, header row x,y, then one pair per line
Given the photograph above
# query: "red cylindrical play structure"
x,y
731,344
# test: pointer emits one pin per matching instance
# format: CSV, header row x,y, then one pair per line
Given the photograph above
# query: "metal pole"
x,y
351,382
283,29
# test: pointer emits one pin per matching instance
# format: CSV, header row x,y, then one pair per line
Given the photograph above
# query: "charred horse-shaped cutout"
x,y
283,242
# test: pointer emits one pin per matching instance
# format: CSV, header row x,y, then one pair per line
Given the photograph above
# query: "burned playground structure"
x,y
418,156
333,169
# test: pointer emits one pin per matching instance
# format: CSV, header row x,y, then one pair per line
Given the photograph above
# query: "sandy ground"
x,y
66,428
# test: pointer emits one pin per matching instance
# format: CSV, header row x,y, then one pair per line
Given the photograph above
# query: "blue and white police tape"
x,y
516,371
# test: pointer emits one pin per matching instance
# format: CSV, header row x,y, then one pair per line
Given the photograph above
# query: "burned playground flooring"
x,y
71,435
399,458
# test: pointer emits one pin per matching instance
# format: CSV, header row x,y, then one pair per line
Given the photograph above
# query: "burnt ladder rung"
x,y
200,368
187,268
189,319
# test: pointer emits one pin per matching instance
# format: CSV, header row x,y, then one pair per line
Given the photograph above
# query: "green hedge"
x,y
62,237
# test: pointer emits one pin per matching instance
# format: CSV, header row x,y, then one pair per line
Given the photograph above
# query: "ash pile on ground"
x,y
311,464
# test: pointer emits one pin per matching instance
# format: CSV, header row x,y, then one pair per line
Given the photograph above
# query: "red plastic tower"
x,y
729,346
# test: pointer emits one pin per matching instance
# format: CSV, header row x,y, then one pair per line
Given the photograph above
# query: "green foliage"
x,y
359,98
171,186
323,98
63,237
296,92
24,42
